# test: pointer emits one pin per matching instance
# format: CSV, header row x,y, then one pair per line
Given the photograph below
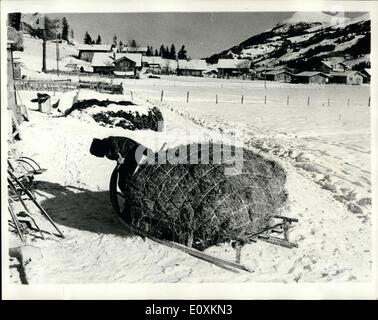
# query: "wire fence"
x,y
67,85
201,96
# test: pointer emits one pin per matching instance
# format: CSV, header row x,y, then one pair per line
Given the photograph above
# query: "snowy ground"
x,y
325,151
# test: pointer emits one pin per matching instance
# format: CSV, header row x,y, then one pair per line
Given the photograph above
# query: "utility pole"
x,y
57,53
44,46
264,76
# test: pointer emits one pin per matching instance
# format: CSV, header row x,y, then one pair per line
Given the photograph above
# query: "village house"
x,y
87,51
193,68
122,64
367,74
348,77
233,67
261,71
329,66
152,62
76,67
311,77
281,75
159,65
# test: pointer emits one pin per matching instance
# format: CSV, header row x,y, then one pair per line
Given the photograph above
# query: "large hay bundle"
x,y
198,204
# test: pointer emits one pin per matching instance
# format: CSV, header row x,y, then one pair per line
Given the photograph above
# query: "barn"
x,y
233,67
311,77
281,75
87,51
348,77
126,64
194,68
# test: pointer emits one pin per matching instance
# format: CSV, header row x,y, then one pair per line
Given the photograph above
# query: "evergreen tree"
x,y
148,53
120,45
161,51
156,53
182,53
98,41
133,44
172,53
87,38
167,54
115,40
65,28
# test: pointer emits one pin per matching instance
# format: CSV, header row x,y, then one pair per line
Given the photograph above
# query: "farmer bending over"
x,y
121,149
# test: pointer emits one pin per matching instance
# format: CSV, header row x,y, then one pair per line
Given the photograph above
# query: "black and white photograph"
x,y
182,147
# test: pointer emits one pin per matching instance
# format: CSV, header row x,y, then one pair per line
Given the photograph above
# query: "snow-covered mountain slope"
x,y
303,37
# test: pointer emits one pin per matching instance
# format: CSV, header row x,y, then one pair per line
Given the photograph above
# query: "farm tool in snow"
x,y
20,186
282,227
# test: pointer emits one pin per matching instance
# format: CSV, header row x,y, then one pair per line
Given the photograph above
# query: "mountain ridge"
x,y
293,41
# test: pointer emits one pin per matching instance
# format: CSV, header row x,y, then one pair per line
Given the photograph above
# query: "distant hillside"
x,y
304,38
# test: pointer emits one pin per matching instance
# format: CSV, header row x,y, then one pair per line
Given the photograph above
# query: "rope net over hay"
x,y
199,205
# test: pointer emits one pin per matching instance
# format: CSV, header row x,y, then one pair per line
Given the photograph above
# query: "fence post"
x,y
242,99
161,96
348,101
369,102
328,102
216,99
287,100
132,98
308,101
265,100
187,97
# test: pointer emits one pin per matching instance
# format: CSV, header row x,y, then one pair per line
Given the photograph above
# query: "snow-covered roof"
x,y
278,71
163,63
328,64
346,73
368,71
124,73
152,59
136,57
192,64
134,49
103,59
94,47
311,73
234,64
262,68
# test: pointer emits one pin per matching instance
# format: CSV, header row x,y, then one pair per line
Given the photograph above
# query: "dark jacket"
x,y
122,145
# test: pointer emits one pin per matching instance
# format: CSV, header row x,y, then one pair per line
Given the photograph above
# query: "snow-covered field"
x,y
324,149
